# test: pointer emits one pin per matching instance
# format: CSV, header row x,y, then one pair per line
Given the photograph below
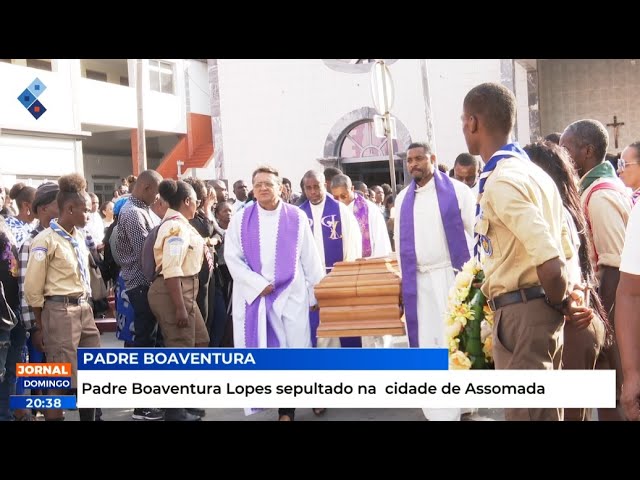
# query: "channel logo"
x,y
29,98
43,376
43,370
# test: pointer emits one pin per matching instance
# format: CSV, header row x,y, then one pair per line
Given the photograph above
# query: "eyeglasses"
x,y
259,185
622,165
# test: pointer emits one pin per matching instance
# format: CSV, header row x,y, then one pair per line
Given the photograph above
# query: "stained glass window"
x,y
361,141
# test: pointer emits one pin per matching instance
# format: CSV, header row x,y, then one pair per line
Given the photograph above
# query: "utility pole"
x,y
142,143
383,96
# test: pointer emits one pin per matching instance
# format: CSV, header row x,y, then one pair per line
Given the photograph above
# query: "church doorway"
x,y
365,157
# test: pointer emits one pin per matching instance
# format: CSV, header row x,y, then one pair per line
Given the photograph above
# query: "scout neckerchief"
x,y
82,262
507,151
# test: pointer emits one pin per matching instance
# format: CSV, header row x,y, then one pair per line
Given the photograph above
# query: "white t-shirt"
x,y
630,259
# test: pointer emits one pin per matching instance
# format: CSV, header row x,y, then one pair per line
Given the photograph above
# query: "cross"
x,y
616,126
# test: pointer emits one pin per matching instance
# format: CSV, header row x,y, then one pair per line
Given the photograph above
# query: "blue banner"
x,y
262,359
43,402
43,383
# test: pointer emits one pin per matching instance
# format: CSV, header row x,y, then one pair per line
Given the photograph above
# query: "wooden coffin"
x,y
361,298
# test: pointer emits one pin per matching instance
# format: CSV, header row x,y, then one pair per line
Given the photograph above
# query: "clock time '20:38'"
x,y
66,402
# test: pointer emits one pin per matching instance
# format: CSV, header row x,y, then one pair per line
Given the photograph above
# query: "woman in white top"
x,y
584,344
106,209
629,168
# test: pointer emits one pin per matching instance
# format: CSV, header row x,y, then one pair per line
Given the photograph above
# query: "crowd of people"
x,y
191,267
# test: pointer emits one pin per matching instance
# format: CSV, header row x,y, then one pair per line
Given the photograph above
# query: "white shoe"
x,y
442,414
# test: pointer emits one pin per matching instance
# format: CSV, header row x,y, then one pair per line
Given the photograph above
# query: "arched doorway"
x,y
365,157
353,147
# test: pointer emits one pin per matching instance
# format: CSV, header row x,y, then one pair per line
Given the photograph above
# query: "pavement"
x,y
338,414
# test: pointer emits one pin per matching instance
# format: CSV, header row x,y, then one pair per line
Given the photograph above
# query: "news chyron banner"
x,y
332,378
43,377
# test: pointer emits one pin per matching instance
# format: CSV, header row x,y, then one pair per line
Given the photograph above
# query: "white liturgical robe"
x,y
289,315
435,275
378,233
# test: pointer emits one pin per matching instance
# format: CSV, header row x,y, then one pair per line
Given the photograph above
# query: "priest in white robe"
x,y
337,238
373,228
433,232
272,257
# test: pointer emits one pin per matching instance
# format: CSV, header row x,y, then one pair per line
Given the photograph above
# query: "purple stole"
x,y
286,265
361,212
456,241
332,241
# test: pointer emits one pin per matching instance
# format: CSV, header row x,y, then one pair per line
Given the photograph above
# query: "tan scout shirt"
x,y
522,218
609,212
53,267
179,248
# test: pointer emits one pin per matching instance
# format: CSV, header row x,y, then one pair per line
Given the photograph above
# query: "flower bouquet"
x,y
469,321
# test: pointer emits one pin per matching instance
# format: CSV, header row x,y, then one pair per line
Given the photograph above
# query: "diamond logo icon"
x,y
37,87
26,98
36,109
29,98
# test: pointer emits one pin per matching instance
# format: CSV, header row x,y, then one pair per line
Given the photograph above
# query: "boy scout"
x,y
519,232
57,284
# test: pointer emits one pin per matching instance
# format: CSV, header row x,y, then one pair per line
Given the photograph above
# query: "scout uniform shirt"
x,y
53,267
521,227
179,248
608,212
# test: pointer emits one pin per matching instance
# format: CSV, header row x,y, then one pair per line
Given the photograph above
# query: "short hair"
x,y
358,185
237,182
443,168
331,172
148,177
423,145
590,132
466,160
314,174
267,169
341,180
553,137
495,103
219,205
286,181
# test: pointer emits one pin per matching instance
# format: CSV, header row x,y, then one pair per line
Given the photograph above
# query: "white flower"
x,y
459,361
453,330
470,266
463,280
485,330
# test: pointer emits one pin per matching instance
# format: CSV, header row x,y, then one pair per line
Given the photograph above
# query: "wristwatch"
x,y
560,307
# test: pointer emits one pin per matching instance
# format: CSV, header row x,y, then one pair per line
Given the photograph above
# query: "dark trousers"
x,y
12,343
145,325
206,295
290,412
219,323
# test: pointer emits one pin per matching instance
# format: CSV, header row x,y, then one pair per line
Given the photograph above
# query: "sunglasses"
x,y
622,165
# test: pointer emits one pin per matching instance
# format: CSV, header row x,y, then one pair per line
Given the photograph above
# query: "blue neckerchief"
x,y
506,151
